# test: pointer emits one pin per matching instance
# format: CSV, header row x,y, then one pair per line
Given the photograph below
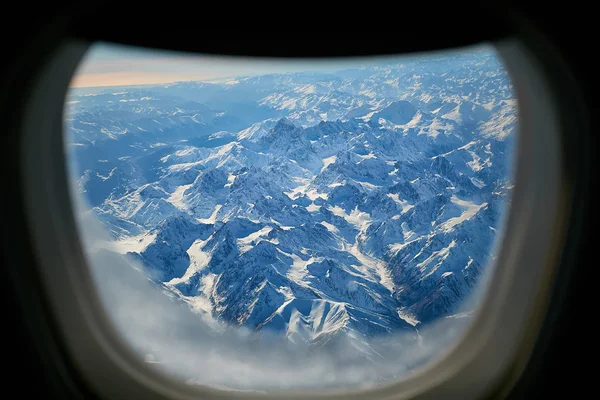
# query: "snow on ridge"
x,y
245,243
198,260
406,206
176,198
213,217
328,161
470,209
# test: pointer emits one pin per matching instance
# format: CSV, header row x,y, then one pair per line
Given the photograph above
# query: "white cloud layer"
x,y
165,332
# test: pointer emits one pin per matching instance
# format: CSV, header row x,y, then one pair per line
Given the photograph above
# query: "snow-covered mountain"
x,y
318,206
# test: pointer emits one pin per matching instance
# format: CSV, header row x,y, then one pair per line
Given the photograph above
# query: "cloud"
x,y
201,351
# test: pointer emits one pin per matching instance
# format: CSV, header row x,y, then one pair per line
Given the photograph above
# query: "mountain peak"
x,y
283,125
399,112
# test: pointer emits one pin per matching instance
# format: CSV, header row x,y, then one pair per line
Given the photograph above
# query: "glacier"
x,y
320,208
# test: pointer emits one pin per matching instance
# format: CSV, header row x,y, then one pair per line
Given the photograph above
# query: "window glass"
x,y
266,224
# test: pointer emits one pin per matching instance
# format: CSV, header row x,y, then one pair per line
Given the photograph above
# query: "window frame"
x,y
470,369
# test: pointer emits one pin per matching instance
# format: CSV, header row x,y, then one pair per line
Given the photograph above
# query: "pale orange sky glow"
x,y
133,78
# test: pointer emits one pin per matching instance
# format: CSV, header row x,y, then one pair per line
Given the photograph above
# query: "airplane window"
x,y
266,224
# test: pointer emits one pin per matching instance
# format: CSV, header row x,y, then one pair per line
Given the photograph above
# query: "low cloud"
x,y
165,332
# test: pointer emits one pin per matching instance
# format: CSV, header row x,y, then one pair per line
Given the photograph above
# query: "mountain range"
x,y
313,205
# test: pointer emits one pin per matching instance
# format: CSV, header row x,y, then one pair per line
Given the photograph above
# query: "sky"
x,y
117,65
112,65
